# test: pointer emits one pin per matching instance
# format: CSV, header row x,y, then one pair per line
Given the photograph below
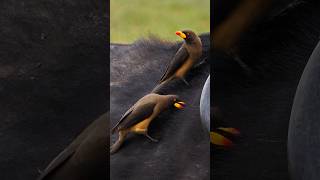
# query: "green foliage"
x,y
131,19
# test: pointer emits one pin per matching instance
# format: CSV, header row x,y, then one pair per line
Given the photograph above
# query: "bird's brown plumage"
x,y
186,57
140,115
134,116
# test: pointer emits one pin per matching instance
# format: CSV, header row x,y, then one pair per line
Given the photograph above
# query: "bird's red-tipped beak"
x,y
181,34
180,105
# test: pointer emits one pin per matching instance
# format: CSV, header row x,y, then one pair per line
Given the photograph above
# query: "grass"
x,y
132,19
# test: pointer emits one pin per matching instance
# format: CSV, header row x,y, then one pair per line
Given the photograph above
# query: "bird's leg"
x,y
115,147
241,63
185,81
149,137
200,63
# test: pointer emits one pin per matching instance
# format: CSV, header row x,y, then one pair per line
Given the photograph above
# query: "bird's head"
x,y
176,102
189,36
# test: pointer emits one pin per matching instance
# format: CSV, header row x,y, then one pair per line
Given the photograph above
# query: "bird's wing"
x,y
137,115
179,58
67,153
122,118
58,161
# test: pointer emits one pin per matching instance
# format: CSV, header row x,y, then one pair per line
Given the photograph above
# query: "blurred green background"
x,y
132,19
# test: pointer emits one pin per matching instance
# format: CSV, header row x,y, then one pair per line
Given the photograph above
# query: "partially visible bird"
x,y
186,57
218,139
85,158
216,135
140,115
219,134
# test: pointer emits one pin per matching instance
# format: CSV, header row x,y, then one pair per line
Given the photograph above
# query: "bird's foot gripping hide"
x,y
185,81
204,61
151,138
220,140
144,132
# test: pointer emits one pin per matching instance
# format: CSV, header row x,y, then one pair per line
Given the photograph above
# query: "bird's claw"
x,y
185,81
200,63
152,139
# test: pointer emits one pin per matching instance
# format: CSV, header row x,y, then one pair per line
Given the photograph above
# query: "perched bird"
x,y
85,158
186,57
140,115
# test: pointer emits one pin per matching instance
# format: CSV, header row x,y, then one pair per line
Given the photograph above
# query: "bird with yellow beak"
x,y
140,115
185,58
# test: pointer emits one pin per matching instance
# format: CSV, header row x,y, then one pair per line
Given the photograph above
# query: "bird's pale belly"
x,y
141,127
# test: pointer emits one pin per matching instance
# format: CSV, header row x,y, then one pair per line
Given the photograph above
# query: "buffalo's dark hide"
x,y
304,134
259,103
53,79
183,151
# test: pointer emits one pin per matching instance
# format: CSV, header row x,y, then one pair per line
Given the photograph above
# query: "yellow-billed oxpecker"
x,y
186,57
140,115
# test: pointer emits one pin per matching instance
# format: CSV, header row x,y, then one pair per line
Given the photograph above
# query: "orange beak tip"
x,y
181,34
